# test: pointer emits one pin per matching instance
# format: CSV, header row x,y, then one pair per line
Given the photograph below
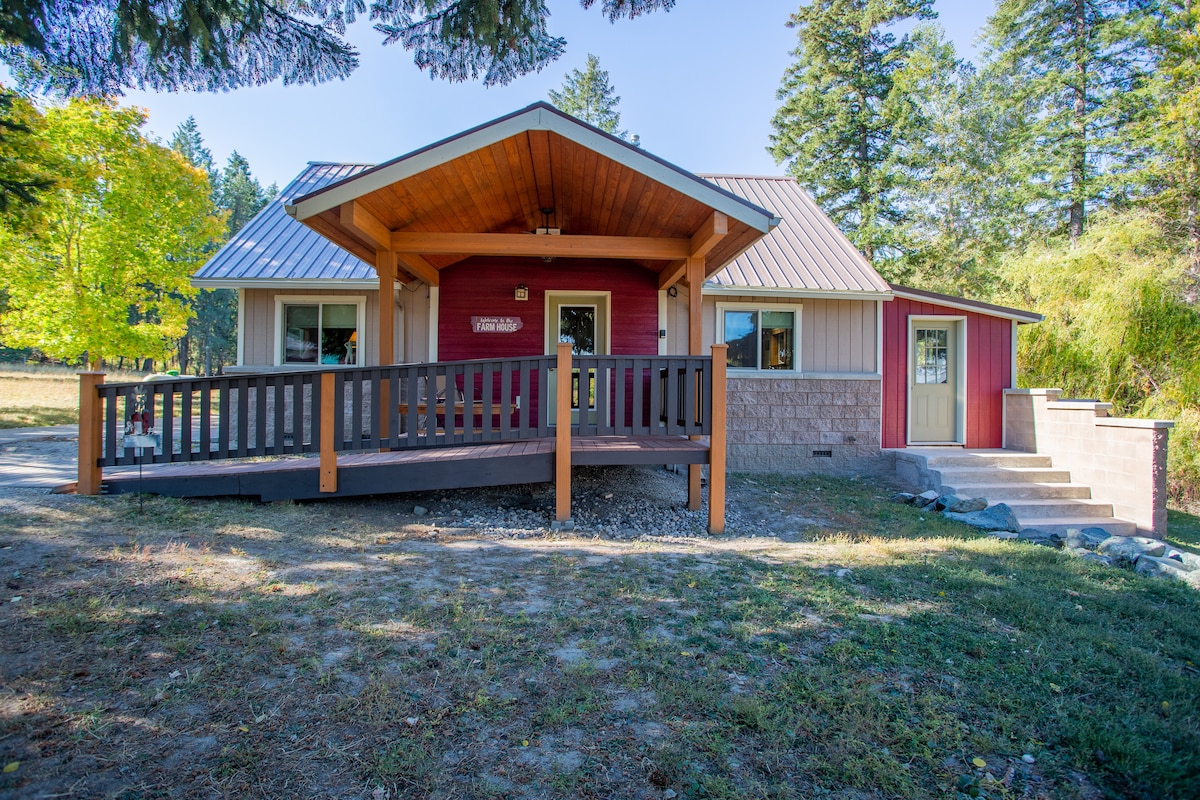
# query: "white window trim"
x,y
360,301
586,298
795,308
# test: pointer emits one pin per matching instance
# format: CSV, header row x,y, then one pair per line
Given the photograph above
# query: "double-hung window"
x,y
324,332
759,337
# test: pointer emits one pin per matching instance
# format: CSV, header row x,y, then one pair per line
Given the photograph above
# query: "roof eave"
x,y
963,304
794,293
539,116
285,283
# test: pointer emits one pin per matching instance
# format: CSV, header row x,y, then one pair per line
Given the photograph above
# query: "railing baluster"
x,y
506,399
260,416
110,424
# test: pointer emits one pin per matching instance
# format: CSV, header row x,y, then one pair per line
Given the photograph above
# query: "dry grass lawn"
x,y
352,650
36,396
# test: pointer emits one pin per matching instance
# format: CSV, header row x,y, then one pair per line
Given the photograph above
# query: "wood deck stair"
x,y
1041,496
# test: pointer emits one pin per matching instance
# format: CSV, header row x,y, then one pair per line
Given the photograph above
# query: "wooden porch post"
x,y
385,268
562,436
91,421
716,443
328,450
695,279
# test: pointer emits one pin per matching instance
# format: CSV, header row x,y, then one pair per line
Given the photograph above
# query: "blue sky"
x,y
697,84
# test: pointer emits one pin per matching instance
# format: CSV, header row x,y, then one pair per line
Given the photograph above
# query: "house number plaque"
x,y
496,324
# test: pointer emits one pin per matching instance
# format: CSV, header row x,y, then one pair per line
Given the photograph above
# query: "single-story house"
x,y
830,367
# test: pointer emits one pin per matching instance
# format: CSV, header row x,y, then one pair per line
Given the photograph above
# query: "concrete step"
x,y
988,459
961,475
1006,492
1028,511
1116,527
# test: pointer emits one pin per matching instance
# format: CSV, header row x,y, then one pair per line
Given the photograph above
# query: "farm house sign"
x,y
496,324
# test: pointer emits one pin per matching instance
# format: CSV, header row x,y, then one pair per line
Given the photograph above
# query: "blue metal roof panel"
x,y
273,246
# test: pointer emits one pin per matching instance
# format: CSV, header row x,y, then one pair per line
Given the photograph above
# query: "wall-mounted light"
x,y
521,292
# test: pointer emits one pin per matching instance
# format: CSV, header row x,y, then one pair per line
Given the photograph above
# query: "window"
x,y
932,355
319,332
759,338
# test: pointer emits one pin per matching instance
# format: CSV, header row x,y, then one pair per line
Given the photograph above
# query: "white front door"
x,y
933,382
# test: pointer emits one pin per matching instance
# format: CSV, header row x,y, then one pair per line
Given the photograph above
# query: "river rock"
x,y
1126,550
968,505
924,499
902,497
1087,539
1166,568
1190,561
993,518
1039,536
1095,558
946,501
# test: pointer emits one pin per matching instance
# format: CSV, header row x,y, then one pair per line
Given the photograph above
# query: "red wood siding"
x,y
989,371
480,286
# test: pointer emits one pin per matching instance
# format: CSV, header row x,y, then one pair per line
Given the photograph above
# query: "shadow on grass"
x,y
328,650
1183,529
36,416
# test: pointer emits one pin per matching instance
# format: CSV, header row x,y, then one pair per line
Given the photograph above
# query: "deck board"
x,y
367,473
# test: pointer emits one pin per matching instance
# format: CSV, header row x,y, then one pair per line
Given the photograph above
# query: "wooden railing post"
x,y
562,437
716,443
328,450
91,422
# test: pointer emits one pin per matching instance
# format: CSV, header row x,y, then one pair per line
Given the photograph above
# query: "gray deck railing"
x,y
407,406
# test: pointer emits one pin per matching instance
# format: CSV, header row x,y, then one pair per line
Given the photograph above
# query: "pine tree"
x,y
188,142
590,98
240,193
1171,127
99,47
844,131
1067,68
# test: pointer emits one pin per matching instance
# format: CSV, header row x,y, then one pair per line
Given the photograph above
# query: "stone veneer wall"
x,y
775,425
1123,460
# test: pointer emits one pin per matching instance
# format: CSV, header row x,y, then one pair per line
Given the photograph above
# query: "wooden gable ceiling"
x,y
502,187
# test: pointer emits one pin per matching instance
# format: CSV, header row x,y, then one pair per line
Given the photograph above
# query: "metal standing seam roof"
x,y
274,247
806,252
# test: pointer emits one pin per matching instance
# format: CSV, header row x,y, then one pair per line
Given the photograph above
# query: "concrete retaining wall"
x,y
1123,460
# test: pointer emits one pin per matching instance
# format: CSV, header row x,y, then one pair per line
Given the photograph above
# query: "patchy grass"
x,y
347,650
38,396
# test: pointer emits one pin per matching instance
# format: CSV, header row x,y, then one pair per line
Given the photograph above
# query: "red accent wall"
x,y
989,371
484,286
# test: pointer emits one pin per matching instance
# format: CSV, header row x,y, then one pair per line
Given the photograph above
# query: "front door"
x,y
581,320
933,390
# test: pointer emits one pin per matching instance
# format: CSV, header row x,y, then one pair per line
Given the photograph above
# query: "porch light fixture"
x,y
522,292
545,229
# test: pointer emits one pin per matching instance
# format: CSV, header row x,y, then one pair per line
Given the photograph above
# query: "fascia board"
x,y
283,283
812,294
987,310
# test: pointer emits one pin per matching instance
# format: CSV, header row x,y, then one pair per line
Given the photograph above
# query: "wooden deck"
x,y
359,474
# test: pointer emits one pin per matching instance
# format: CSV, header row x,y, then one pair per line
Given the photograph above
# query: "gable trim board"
x,y
538,116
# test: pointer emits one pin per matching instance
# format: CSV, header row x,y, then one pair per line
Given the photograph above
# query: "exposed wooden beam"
x,y
523,244
709,234
695,279
366,225
672,274
421,268
703,240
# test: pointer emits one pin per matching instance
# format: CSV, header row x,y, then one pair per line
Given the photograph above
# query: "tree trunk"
x,y
184,356
1079,146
